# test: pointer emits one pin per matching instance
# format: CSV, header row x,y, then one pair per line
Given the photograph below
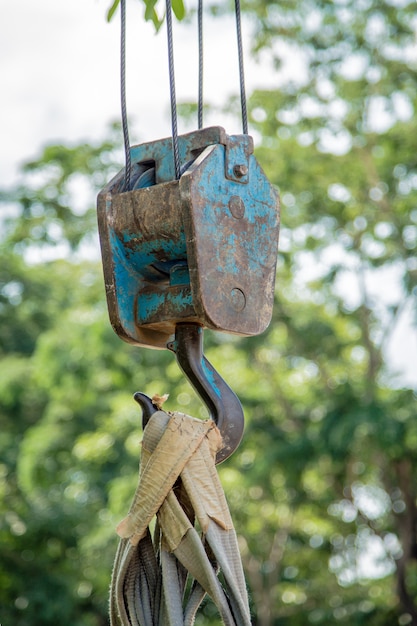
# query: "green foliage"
x,y
151,13
323,486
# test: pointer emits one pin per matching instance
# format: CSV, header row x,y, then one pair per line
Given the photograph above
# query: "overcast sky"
x,y
59,71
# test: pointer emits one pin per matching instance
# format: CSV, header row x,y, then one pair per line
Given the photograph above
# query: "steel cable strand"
x,y
200,64
241,69
128,163
174,122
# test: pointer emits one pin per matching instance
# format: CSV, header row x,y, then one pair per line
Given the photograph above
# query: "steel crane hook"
x,y
222,403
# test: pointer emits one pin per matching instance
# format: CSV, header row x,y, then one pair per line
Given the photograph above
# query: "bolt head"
x,y
237,207
237,299
240,170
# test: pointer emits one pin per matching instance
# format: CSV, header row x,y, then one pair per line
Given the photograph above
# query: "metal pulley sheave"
x,y
200,249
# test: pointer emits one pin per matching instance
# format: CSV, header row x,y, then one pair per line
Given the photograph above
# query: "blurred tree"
x,y
322,488
337,140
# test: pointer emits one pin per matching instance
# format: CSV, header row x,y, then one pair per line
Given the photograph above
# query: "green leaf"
x,y
112,10
179,9
151,15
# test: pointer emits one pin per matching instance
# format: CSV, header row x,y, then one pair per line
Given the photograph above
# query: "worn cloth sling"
x,y
161,577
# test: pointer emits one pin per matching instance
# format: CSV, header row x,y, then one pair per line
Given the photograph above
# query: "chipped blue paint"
x,y
149,304
209,374
154,282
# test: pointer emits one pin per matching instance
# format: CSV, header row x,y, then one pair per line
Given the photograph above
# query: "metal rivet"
x,y
237,299
237,207
240,170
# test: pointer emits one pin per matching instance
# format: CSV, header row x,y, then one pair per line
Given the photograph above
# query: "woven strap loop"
x,y
161,581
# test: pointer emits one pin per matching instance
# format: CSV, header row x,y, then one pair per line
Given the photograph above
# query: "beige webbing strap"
x,y
178,483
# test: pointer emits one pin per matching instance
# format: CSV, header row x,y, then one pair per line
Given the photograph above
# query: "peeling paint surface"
x,y
202,248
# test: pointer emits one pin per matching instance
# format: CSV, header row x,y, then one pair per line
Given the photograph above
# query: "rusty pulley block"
x,y
201,249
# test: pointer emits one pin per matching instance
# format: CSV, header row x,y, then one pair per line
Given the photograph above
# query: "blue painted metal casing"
x,y
199,249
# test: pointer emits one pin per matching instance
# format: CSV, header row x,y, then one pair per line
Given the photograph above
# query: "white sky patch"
x,y
81,194
59,70
354,66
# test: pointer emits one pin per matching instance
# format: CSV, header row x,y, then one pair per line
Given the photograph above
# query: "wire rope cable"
x,y
200,63
174,118
174,122
241,69
128,163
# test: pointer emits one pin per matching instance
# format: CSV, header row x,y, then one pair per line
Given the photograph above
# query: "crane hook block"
x,y
200,249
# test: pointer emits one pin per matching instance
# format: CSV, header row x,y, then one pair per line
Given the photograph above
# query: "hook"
x,y
147,406
222,403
